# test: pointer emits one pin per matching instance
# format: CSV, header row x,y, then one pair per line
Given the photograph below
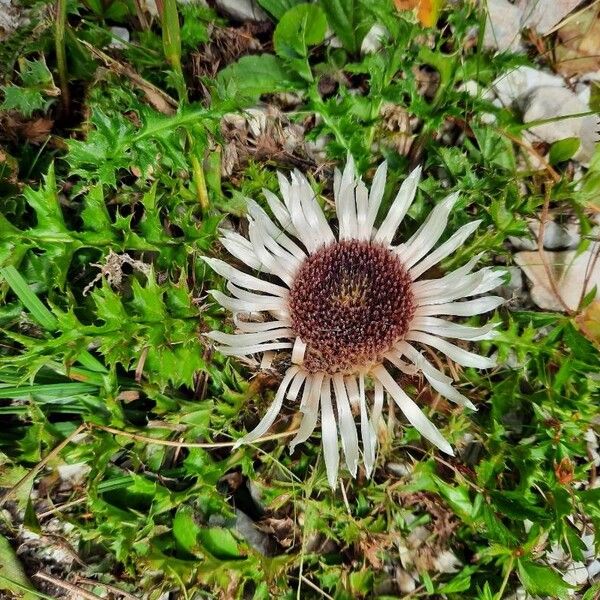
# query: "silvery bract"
x,y
343,308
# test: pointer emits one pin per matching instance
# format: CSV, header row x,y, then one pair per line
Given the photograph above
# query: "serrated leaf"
x,y
95,214
44,201
542,581
148,300
34,94
24,100
114,142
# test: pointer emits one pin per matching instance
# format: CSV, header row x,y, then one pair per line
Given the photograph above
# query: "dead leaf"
x,y
578,50
127,396
37,131
506,20
574,275
564,471
588,322
9,167
544,15
428,11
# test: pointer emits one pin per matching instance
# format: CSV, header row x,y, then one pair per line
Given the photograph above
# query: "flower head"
x,y
345,310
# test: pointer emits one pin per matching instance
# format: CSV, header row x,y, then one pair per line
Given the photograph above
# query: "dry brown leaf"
x,y
544,15
578,51
574,276
38,130
588,322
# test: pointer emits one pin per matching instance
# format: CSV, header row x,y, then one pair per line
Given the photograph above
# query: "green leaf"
x,y
592,593
278,7
24,100
41,314
220,543
38,85
563,150
589,496
33,304
48,212
542,581
30,519
12,575
301,26
495,148
171,33
361,582
252,76
185,529
457,497
36,73
460,583
148,300
95,214
115,142
55,390
349,21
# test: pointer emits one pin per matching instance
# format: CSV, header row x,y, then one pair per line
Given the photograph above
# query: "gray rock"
x,y
506,20
120,38
373,41
502,28
242,10
549,102
515,84
543,16
558,237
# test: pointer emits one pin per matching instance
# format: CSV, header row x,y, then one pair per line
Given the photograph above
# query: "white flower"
x,y
348,307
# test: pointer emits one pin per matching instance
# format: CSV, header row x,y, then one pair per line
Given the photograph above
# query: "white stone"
x,y
506,20
446,562
120,38
549,102
242,10
374,39
515,84
557,237
502,27
592,446
576,573
74,474
593,569
405,581
544,15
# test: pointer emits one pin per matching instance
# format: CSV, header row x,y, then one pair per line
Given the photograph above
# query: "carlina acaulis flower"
x,y
343,309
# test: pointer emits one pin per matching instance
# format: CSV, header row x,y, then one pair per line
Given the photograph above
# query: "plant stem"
x,y
200,183
61,54
509,570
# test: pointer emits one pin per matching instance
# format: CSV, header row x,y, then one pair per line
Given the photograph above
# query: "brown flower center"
x,y
350,302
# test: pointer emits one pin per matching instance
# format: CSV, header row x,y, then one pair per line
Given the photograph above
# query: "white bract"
x,y
346,311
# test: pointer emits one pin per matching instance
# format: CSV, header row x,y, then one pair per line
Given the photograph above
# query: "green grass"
x,y
117,345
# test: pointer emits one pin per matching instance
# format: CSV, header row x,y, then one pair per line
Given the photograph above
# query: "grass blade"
x,y
42,314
